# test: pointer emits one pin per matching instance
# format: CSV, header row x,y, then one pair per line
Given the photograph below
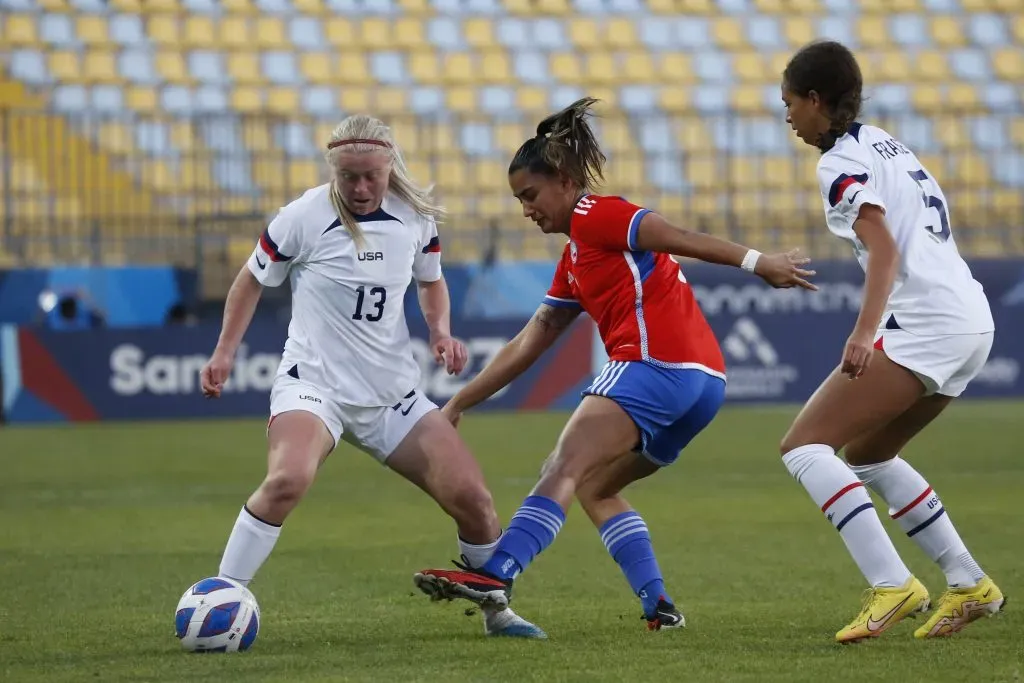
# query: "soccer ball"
x,y
217,615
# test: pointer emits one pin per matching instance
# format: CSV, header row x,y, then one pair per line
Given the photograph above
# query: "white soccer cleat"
x,y
509,624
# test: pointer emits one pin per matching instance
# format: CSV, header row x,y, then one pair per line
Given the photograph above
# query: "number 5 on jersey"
x,y
378,305
931,202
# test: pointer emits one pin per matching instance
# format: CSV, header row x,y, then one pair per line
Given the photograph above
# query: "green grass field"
x,y
103,527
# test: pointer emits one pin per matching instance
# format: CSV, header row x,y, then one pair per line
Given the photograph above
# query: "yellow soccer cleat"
x,y
960,606
884,608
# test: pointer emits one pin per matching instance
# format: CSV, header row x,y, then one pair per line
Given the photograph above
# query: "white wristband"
x,y
750,260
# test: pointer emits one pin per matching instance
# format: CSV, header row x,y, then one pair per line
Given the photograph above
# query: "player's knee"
x,y
284,489
792,440
473,506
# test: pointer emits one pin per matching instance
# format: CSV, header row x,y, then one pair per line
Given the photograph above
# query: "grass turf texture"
x,y
104,526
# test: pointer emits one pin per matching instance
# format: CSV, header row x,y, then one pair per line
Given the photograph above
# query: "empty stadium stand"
x,y
138,129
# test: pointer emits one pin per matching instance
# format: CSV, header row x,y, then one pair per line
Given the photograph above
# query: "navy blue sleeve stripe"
x,y
839,185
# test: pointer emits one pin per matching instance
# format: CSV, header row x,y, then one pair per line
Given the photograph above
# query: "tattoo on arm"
x,y
555,320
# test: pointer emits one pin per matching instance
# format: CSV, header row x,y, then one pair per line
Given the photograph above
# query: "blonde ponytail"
x,y
362,133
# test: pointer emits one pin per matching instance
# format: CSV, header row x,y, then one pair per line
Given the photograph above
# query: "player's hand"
x,y
451,413
857,354
451,353
785,270
216,372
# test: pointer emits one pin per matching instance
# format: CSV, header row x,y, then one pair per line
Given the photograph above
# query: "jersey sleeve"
x,y
607,223
426,265
846,184
278,249
560,295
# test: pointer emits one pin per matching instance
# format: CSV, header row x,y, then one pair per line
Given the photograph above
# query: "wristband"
x,y
750,260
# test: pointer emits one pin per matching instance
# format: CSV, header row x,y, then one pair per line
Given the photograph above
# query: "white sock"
x,y
920,513
845,501
248,547
476,556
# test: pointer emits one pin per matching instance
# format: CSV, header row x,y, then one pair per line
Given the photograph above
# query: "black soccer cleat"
x,y
665,616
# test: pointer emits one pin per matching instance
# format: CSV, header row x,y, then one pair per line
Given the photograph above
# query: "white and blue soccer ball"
x,y
217,615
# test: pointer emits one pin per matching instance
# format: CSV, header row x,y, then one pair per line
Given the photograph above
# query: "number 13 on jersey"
x,y
378,293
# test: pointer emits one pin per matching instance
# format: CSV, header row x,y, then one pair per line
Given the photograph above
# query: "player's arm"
x,y
543,330
435,303
239,308
654,233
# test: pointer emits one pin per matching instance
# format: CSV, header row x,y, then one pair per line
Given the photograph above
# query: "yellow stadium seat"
x,y
495,67
771,6
728,34
893,66
247,99
199,32
391,101
600,67
873,32
164,30
461,99
100,67
459,68
354,99
409,33
799,31
531,99
703,173
953,134
304,173
697,6
972,170
621,34
608,95
352,68
116,138
662,6
804,6
972,6
1017,131
53,5
519,7
244,68
510,136
283,101
238,6
750,67
92,30
270,33
340,32
128,6
451,175
558,8
423,67
142,99
183,136
313,8
416,8
1009,64
565,66
947,31
962,96
615,136
747,99
584,34
162,6
20,30
479,32
693,136
235,33
777,62
317,67
1018,28
675,100
65,66
780,172
931,66
675,68
926,98
376,33
638,67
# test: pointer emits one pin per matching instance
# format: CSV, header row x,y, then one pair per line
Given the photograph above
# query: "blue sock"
x,y
530,530
626,537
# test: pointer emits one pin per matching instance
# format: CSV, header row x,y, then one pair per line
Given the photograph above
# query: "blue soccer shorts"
x,y
669,406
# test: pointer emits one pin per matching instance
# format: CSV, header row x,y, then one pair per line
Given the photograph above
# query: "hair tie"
x,y
358,141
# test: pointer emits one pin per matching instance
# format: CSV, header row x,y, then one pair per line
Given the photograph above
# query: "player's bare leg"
x,y
597,433
298,443
916,507
625,535
433,457
839,411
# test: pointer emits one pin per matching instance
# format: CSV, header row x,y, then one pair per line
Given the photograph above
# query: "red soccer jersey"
x,y
642,304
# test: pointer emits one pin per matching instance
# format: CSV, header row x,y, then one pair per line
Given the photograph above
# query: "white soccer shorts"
x,y
377,430
946,364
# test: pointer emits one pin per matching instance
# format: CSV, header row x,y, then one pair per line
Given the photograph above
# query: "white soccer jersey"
x,y
934,291
348,334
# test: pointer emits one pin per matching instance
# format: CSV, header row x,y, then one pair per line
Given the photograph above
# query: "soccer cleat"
x,y
884,608
665,616
473,585
960,606
507,623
